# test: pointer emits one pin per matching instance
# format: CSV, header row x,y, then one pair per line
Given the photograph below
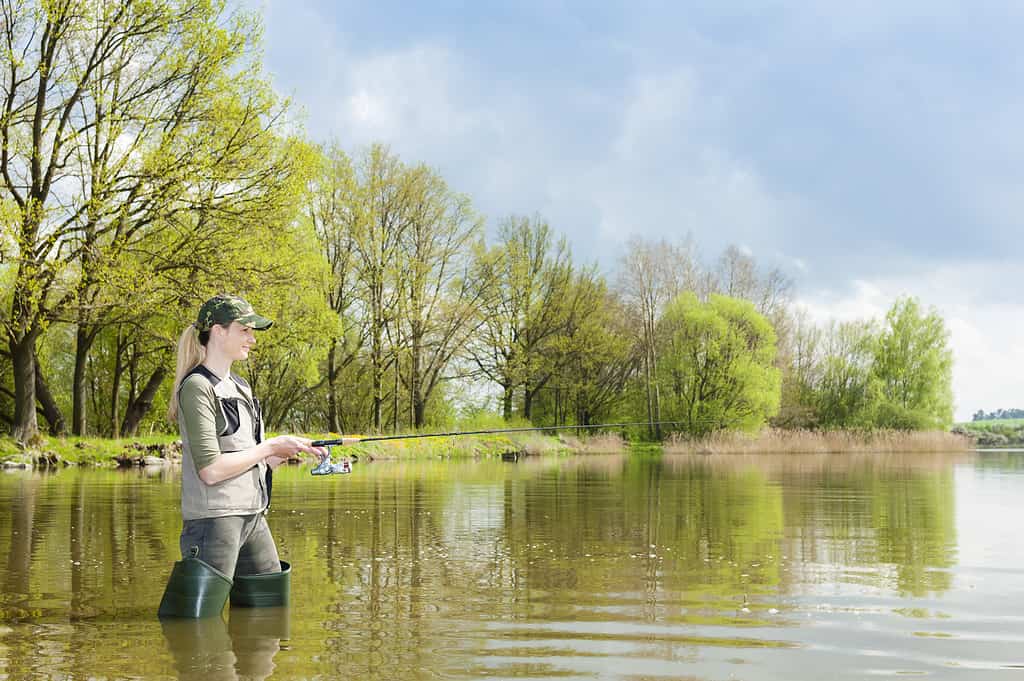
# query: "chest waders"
x,y
195,588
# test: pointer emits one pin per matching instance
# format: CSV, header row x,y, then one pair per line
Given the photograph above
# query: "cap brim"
x,y
255,321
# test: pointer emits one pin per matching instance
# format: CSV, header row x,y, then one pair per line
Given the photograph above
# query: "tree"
x,y
531,274
335,209
128,130
914,365
650,275
801,374
441,301
383,216
594,357
717,362
738,276
846,393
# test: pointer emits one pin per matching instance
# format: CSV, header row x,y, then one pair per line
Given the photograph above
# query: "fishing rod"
x,y
327,467
379,438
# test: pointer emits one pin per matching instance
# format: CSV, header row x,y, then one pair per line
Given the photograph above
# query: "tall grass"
x,y
606,443
820,442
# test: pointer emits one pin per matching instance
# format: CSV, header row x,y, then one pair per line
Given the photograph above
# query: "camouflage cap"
x,y
223,309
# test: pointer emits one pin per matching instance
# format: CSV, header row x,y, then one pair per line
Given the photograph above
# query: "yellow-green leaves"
x,y
717,365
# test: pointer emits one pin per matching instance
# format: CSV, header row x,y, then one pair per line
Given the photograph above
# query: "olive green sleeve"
x,y
197,418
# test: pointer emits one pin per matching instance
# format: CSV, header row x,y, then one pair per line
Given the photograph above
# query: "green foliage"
x,y
170,170
914,366
525,308
592,359
717,363
847,392
896,374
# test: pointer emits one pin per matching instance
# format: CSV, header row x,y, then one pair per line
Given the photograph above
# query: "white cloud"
x,y
657,103
410,98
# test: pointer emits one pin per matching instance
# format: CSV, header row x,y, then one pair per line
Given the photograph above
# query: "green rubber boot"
x,y
262,591
195,589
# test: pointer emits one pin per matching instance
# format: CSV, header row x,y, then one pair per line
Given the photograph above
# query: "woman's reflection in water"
x,y
214,650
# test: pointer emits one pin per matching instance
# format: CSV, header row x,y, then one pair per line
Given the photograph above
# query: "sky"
x,y
868,149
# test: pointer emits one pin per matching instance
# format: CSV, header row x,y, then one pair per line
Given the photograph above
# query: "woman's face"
x,y
235,341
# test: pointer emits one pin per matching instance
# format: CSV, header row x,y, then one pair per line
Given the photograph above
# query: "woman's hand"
x,y
273,452
275,461
285,447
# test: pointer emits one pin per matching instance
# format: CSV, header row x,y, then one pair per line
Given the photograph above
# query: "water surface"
x,y
610,567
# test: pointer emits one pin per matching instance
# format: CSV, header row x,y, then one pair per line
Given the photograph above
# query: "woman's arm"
x,y
275,451
197,417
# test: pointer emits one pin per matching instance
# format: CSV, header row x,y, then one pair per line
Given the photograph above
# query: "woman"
x,y
226,465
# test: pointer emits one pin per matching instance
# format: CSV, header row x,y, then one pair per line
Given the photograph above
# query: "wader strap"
x,y
269,479
258,436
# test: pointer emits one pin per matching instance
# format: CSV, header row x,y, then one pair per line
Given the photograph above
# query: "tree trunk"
x,y
378,380
26,425
84,338
51,412
416,381
657,391
332,390
397,401
419,410
527,402
115,388
141,405
650,394
506,403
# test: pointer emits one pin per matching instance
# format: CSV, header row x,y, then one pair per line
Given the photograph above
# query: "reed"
x,y
601,443
776,440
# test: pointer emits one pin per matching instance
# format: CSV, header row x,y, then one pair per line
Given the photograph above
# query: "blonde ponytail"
x,y
190,354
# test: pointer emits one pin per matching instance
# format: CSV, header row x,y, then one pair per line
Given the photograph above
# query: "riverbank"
x,y
774,440
158,450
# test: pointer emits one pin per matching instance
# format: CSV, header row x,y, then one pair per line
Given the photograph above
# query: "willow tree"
x,y
717,363
130,132
914,365
844,392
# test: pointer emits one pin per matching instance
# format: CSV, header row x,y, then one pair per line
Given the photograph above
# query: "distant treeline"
x,y
982,415
993,432
148,165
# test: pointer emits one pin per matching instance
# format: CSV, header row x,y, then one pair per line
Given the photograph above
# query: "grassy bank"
x,y
822,442
86,451
156,449
78,451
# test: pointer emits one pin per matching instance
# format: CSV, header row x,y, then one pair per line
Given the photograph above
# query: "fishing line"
x,y
328,467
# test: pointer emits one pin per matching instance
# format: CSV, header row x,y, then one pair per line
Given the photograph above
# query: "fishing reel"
x,y
328,467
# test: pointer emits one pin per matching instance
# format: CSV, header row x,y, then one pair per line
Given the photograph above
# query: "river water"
x,y
608,567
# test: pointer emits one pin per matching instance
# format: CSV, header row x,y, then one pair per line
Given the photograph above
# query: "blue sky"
x,y
868,149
